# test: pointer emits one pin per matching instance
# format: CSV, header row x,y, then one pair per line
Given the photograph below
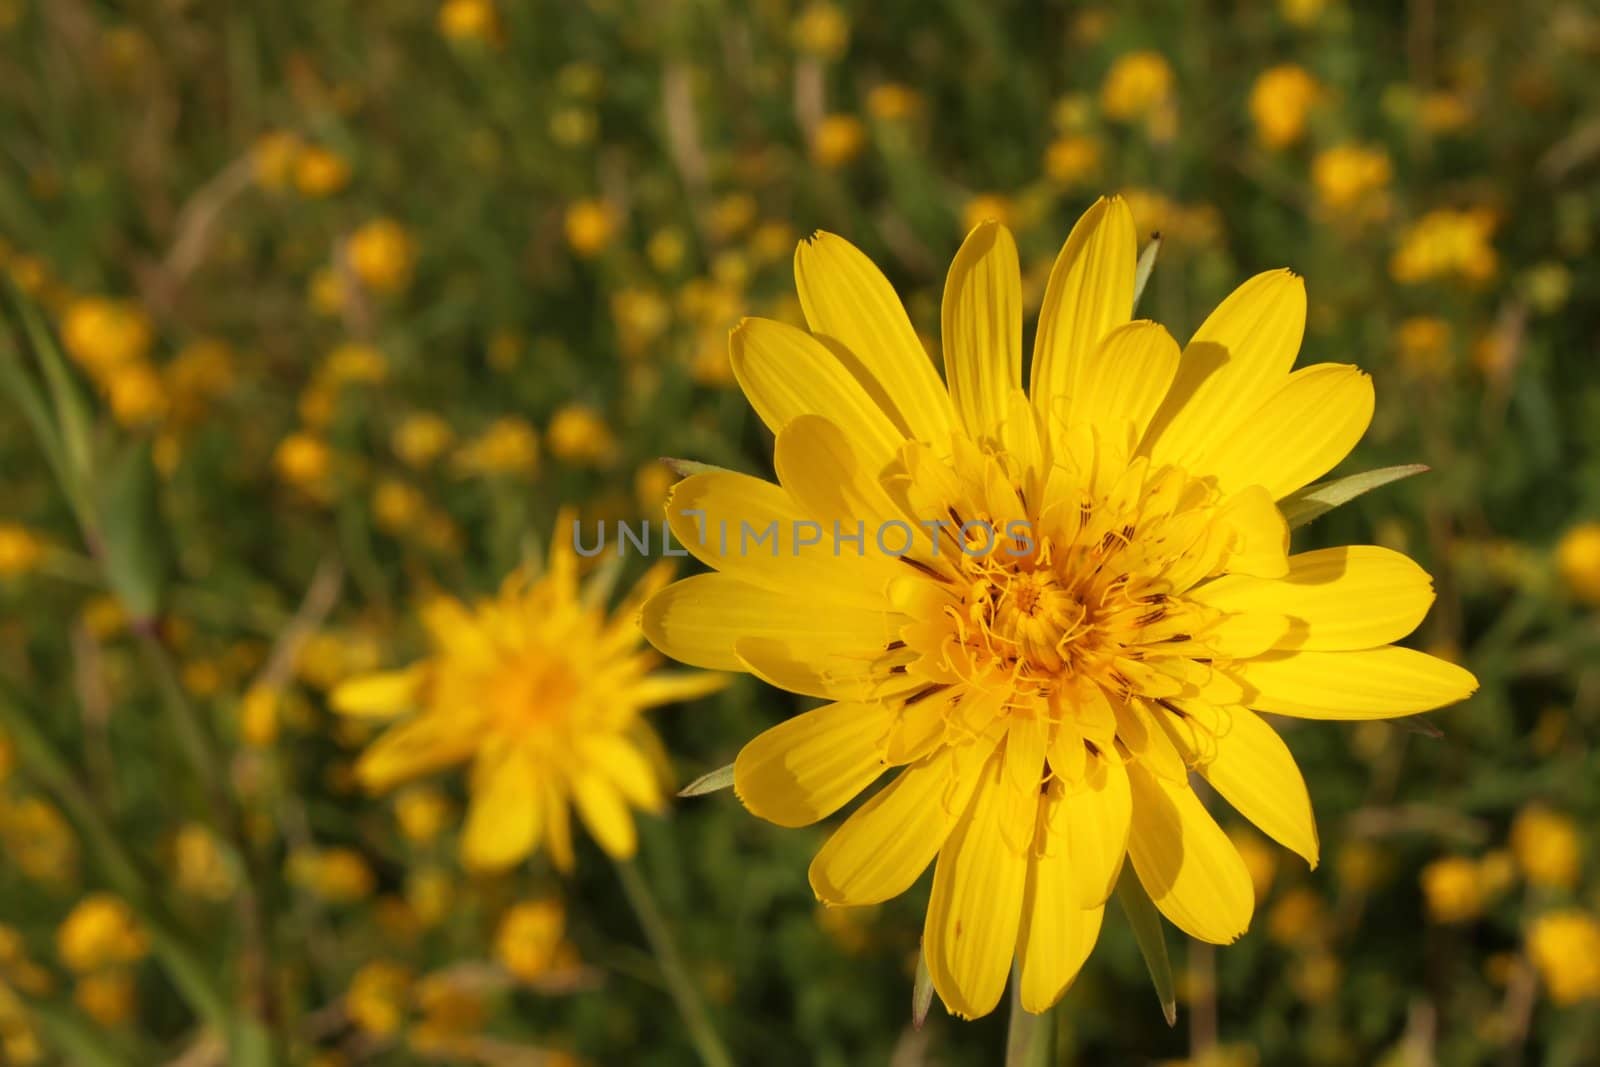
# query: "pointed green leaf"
x,y
73,422
715,782
1146,264
1146,923
1314,501
130,533
921,992
683,468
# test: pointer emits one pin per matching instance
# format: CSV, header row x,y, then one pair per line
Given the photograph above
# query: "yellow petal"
x,y
810,766
415,747
976,905
1185,862
1240,356
1374,683
629,770
822,470
981,324
1300,433
379,696
503,819
1093,825
1090,293
601,807
1261,537
674,687
699,621
1056,934
1350,597
786,372
846,299
1255,772
881,849
1124,381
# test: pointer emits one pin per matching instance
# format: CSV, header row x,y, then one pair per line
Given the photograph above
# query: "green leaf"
x,y
73,422
1317,500
1147,264
921,992
715,782
130,534
1146,923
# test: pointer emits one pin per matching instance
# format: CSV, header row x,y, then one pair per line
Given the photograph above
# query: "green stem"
x,y
1027,1035
690,1007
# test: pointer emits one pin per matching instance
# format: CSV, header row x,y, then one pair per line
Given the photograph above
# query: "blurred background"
x,y
355,294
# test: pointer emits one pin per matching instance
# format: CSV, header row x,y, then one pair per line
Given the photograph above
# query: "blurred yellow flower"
x,y
137,394
1137,85
38,840
651,484
822,30
578,435
201,373
1446,242
319,172
543,694
731,215
199,867
1072,160
1351,180
529,938
378,997
303,461
1548,285
893,102
326,291
107,998
20,550
837,140
1547,847
422,812
986,207
1280,100
1578,561
452,1009
508,445
272,159
258,715
772,242
469,20
666,249
101,333
1298,918
1442,111
1565,948
1424,346
1360,866
1316,977
420,438
100,932
431,893
396,506
354,363
1302,12
336,875
383,254
591,225
1453,890
1259,859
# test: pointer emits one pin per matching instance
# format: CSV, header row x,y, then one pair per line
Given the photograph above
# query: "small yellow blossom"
x,y
1445,243
38,840
336,875
422,812
101,333
469,20
137,394
382,254
420,438
99,933
1360,866
1072,160
984,207
1352,180
20,550
1547,847
107,998
591,225
378,996
396,506
1137,86
1424,346
326,292
1298,918
452,1008
578,435
1258,858
272,159
353,363
822,30
199,868
1548,285
508,446
1578,561
529,937
667,249
201,373
1565,948
431,893
837,140
731,215
573,126
1453,890
1280,100
303,460
319,172
651,484
893,102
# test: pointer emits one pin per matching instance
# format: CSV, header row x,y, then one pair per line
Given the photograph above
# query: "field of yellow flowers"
x,y
323,321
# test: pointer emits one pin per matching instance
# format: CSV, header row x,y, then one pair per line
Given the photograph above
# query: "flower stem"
x,y
1027,1035
690,1007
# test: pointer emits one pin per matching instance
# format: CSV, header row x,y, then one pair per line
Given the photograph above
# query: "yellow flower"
x,y
1302,12
893,102
651,484
430,891
731,215
38,840
422,812
100,932
396,506
378,996
1259,859
1072,160
272,159
1280,100
258,715
453,1008
199,867
420,438
666,249
20,550
1444,243
302,460
591,225
198,375
319,172
529,938
382,254
1298,918
837,140
543,694
579,435
1061,602
1547,847
137,394
507,446
102,334
1424,345
1577,560
986,207
336,875
106,998
1138,84
353,363
1453,890
469,20
1565,947
822,30
1350,179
